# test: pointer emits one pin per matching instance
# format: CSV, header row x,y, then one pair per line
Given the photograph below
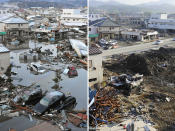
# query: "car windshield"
x,y
45,101
40,68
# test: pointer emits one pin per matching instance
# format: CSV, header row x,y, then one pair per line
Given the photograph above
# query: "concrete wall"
x,y
98,71
22,26
4,62
108,29
2,27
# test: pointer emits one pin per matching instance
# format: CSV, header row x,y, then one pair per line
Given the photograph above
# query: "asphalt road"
x,y
138,48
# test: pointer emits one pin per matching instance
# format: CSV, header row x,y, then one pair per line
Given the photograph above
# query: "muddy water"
x,y
75,86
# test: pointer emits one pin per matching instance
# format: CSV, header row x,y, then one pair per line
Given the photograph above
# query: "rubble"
x,y
151,95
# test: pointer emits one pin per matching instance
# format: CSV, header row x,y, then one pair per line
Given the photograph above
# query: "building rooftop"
x,y
15,20
109,23
94,50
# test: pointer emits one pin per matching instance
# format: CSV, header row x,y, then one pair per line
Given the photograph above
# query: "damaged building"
x,y
139,35
95,66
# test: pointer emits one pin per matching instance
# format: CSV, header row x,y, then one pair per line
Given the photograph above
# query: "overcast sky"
x,y
134,2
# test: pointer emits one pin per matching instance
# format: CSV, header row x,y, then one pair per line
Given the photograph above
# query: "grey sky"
x,y
134,2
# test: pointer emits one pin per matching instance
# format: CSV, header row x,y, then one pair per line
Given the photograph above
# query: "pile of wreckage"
x,y
105,105
52,106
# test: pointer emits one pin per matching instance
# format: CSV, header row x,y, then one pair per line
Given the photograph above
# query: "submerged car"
x,y
32,96
37,67
72,71
68,103
50,101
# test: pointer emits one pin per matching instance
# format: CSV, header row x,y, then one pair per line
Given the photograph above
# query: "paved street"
x,y
138,48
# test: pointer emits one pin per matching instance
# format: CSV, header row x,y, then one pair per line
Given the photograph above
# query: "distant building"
x,y
95,66
4,59
14,25
73,16
138,35
161,22
109,30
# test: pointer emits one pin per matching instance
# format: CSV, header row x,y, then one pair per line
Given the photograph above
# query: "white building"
x,y
4,59
161,22
73,16
95,66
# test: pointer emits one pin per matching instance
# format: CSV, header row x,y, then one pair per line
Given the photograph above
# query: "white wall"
x,y
11,26
98,72
4,61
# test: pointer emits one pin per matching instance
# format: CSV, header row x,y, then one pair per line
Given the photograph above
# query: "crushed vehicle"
x,y
126,82
32,96
50,101
72,71
29,97
68,103
37,67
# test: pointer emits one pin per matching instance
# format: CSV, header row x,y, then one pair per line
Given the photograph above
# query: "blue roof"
x,y
97,22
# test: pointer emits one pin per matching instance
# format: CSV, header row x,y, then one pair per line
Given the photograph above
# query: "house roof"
x,y
97,22
15,20
94,50
109,23
3,49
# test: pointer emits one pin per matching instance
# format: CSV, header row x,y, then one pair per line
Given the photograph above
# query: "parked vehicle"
x,y
173,39
37,67
50,101
113,42
32,96
157,42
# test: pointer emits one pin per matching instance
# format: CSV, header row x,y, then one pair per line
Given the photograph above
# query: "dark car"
x,y
68,103
50,101
72,71
32,96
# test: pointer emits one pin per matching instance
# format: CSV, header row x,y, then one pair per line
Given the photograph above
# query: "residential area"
x,y
131,68
43,66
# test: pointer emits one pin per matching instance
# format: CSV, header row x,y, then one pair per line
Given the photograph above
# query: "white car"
x,y
113,42
37,67
157,42
173,39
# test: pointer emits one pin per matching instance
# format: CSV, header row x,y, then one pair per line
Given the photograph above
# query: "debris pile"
x,y
105,107
33,102
154,102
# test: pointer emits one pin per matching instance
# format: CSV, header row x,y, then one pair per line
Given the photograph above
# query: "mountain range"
x,y
112,6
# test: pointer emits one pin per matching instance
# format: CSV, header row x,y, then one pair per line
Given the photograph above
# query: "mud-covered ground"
x,y
154,99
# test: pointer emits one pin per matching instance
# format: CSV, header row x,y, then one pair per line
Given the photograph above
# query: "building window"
x,y
18,25
93,79
90,63
89,29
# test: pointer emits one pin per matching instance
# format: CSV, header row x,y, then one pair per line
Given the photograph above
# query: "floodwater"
x,y
76,86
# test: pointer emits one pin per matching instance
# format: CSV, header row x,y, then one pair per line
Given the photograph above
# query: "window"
x,y
18,25
89,29
90,63
93,79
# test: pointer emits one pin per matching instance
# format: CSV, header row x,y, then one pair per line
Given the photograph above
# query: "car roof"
x,y
54,93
